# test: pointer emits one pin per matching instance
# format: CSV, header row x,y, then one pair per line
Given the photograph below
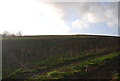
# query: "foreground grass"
x,y
74,70
35,54
46,64
52,63
116,76
77,70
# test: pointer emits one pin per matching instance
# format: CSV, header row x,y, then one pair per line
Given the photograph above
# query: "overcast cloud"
x,y
32,17
89,13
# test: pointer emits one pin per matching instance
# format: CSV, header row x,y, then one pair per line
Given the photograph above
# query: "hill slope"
x,y
36,56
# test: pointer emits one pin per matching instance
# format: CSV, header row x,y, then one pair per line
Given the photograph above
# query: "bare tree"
x,y
8,34
19,33
5,33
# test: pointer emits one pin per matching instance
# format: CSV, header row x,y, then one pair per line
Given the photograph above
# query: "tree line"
x,y
8,34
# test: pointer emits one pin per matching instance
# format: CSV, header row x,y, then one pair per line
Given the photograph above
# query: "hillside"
x,y
61,57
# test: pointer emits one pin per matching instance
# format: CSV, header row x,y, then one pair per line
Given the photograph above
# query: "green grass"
x,y
65,58
43,52
116,76
61,59
14,73
55,74
79,69
69,70
18,72
49,63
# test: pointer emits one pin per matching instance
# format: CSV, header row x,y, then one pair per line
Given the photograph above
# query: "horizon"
x,y
15,35
59,18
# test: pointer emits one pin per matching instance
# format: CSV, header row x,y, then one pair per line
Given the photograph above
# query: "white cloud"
x,y
89,17
30,17
79,24
90,12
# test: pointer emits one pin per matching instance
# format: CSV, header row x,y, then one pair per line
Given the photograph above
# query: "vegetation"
x,y
55,74
80,69
116,76
8,34
56,57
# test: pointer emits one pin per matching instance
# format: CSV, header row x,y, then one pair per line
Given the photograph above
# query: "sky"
x,y
33,17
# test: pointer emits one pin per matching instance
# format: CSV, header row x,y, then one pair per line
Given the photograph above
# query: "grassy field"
x,y
60,57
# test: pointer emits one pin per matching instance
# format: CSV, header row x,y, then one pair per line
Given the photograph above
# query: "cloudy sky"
x,y
33,17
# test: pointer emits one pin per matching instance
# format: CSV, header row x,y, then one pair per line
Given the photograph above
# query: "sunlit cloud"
x,y
91,12
79,24
33,17
30,17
